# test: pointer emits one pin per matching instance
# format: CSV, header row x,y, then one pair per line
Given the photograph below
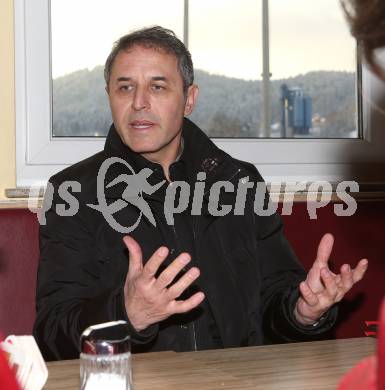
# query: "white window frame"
x,y
39,155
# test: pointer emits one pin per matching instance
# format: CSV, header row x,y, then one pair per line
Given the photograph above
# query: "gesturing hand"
x,y
149,300
323,288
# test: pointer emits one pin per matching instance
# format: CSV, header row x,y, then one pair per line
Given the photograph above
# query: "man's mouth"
x,y
141,124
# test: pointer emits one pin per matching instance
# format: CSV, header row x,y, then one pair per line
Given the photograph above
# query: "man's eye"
x,y
125,88
157,87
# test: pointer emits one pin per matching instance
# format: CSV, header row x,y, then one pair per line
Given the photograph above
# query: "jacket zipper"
x,y
194,219
192,327
194,336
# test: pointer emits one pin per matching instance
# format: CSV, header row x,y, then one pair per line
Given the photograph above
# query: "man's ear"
x,y
107,89
192,96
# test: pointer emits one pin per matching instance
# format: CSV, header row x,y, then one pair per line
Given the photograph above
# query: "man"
x,y
204,281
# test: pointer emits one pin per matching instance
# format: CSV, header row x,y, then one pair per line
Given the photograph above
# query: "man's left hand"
x,y
323,288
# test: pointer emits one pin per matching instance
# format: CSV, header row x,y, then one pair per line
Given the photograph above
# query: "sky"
x,y
225,35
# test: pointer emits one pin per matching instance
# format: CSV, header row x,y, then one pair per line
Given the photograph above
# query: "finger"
x,y
151,267
307,294
169,274
183,283
313,278
345,280
135,261
178,307
359,271
330,284
325,249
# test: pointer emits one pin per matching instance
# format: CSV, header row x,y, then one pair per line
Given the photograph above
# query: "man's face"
x,y
148,103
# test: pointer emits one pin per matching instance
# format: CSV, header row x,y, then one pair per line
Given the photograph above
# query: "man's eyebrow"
x,y
123,79
154,78
159,78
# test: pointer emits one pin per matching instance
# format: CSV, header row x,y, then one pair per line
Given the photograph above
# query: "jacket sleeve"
x,y
69,295
281,275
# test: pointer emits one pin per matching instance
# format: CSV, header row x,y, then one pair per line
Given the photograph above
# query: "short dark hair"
x,y
159,38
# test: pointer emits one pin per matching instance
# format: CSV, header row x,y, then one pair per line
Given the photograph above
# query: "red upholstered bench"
x,y
19,254
361,235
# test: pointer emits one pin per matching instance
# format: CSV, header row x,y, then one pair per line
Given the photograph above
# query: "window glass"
x,y
312,50
312,64
82,34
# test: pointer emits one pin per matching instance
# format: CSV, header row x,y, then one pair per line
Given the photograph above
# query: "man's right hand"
x,y
149,300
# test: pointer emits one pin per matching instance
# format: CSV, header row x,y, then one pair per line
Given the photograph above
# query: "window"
x,y
80,106
308,69
311,73
278,82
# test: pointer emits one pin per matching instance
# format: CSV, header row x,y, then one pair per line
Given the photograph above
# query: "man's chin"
x,y
140,149
154,151
149,152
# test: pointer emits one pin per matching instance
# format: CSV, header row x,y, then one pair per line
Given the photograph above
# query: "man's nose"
x,y
140,101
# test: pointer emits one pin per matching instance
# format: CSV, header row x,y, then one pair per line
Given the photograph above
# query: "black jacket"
x,y
248,271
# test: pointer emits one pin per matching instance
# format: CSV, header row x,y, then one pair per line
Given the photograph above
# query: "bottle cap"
x,y
109,338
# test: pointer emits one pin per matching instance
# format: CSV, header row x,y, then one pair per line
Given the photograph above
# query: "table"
x,y
310,366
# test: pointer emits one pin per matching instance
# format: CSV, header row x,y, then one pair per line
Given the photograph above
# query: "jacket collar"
x,y
114,147
199,154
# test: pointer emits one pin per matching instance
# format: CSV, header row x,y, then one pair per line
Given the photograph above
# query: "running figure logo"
x,y
136,185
